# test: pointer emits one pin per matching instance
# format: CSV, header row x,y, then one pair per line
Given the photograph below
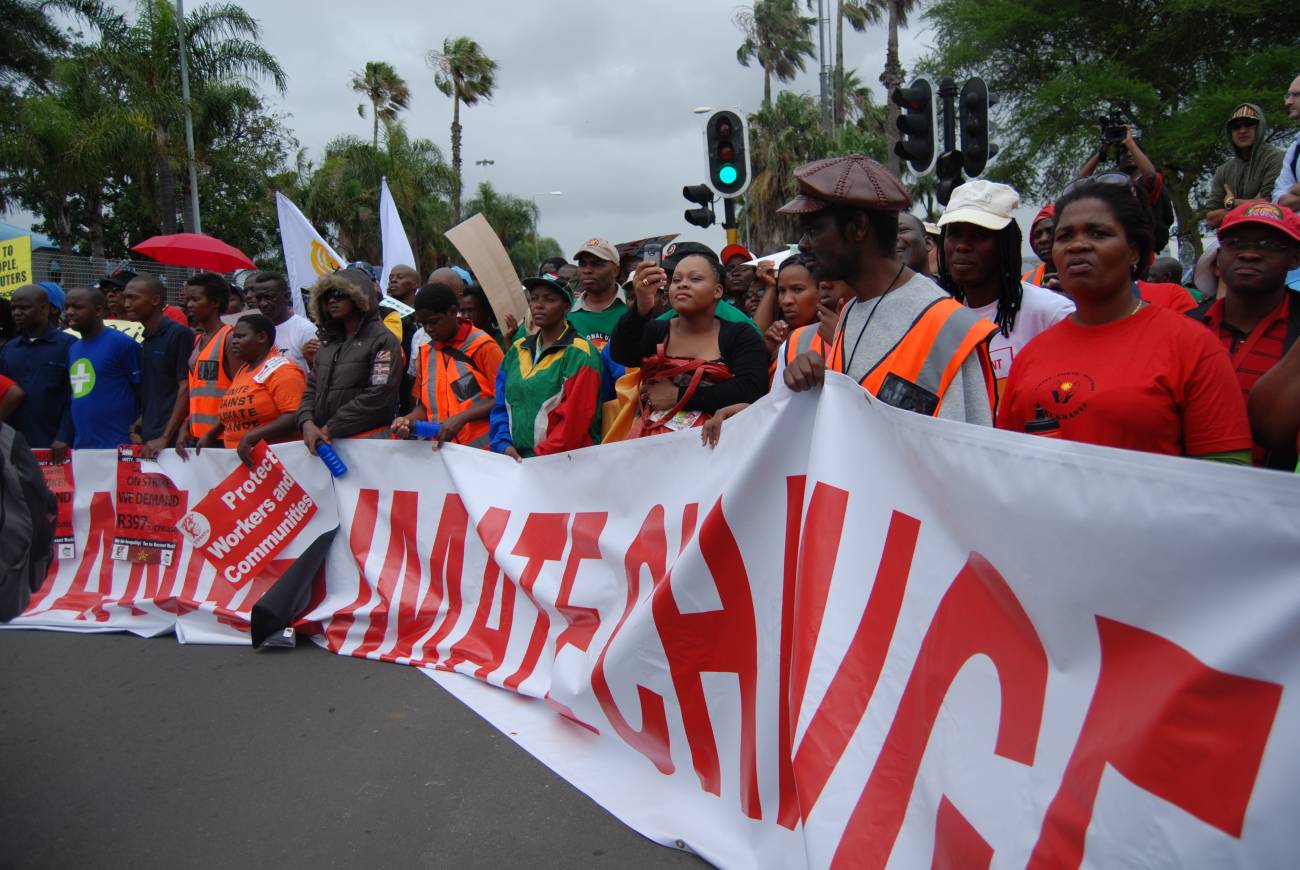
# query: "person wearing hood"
x,y
1251,171
352,388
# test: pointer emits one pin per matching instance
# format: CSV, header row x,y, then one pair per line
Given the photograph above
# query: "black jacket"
x,y
635,338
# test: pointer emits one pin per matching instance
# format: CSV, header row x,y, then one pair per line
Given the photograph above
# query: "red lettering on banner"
x,y
582,621
849,691
979,615
480,645
187,601
541,541
649,549
445,566
223,593
401,560
360,538
787,812
730,646
1169,724
79,598
957,845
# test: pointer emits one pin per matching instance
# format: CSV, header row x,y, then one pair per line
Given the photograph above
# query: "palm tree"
x,y
386,91
33,42
223,46
858,14
778,37
783,136
515,220
892,77
467,75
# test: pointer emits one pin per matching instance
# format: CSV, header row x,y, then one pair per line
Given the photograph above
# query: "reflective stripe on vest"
x,y
1035,276
208,383
802,340
441,370
932,352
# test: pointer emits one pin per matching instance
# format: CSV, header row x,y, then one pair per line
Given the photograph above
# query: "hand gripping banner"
x,y
849,637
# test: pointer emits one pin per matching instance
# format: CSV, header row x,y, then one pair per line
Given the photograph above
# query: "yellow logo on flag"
x,y
321,260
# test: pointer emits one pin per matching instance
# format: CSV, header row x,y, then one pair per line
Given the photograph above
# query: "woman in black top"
x,y
693,364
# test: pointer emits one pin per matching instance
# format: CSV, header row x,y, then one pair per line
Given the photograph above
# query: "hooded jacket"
x,y
1249,179
352,388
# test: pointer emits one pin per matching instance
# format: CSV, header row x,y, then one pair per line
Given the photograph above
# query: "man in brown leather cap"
x,y
902,338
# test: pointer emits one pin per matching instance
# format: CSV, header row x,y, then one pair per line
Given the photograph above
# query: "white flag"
x,y
307,255
396,247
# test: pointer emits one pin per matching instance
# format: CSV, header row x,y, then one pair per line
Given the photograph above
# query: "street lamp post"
x,y
189,123
537,213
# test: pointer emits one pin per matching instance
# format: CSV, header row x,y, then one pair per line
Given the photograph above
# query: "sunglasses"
x,y
338,295
1116,179
1264,246
1242,123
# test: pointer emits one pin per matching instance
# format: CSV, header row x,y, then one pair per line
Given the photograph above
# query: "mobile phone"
x,y
650,253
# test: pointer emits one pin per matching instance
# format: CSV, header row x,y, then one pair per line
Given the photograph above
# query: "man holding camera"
x,y
1132,161
1252,169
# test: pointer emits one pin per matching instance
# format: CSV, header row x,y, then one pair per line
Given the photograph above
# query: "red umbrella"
x,y
196,251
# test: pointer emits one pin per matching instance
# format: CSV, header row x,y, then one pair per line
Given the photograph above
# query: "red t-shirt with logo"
x,y
1155,381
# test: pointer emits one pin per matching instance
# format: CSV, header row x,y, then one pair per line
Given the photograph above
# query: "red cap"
x,y
1268,214
730,252
1047,212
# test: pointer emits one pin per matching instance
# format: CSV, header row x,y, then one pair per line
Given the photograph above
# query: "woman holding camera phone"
x,y
694,364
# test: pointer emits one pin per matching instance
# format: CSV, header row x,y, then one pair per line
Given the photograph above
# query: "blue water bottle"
x,y
425,429
332,460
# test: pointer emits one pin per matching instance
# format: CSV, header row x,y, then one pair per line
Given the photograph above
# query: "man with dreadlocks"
x,y
979,264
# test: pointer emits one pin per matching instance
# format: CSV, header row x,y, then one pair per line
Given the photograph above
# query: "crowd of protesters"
x,y
1099,343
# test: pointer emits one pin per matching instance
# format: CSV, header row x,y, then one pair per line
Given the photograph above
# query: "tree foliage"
x,y
386,91
463,72
778,38
1174,70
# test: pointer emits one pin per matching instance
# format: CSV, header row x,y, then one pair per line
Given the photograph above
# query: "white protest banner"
x,y
487,258
307,255
849,637
396,247
95,593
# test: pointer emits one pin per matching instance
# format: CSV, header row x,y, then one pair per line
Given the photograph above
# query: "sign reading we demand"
x,y
247,519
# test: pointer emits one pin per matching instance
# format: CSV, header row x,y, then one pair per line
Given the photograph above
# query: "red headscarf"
x,y
1048,212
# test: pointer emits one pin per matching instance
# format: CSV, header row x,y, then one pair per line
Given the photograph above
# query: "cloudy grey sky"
x,y
591,100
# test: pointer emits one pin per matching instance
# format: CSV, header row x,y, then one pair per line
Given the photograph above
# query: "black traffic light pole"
x,y
947,95
729,219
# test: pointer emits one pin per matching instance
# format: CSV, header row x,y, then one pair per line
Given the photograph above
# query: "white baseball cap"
x,y
983,203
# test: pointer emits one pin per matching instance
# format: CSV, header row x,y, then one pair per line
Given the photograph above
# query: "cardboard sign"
x,y
58,477
148,504
249,517
482,249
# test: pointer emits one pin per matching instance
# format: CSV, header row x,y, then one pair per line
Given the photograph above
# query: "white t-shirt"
x,y
291,335
1039,309
418,340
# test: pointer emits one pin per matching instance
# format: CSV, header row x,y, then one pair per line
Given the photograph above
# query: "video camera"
x,y
1113,128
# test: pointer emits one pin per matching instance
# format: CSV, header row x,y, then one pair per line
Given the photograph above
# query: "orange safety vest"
x,y
1035,276
802,340
932,351
208,383
452,366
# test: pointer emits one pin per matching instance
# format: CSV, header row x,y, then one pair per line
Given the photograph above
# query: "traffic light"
x,y
916,146
948,170
973,112
701,195
726,143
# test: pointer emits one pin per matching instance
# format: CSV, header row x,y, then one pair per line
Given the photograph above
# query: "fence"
x,y
73,270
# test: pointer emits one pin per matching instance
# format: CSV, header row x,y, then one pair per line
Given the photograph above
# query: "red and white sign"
x,y
849,637
58,477
148,505
249,517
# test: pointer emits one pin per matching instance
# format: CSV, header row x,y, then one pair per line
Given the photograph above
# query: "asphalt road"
x,y
122,752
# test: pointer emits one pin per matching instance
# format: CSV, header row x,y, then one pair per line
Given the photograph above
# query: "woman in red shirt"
x,y
1120,371
261,402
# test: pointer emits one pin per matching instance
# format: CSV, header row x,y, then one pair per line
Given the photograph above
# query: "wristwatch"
x,y
1229,202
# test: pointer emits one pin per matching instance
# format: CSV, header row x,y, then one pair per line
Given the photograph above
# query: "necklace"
x,y
870,314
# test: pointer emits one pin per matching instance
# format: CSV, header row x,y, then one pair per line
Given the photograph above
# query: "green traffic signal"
x,y
727,174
